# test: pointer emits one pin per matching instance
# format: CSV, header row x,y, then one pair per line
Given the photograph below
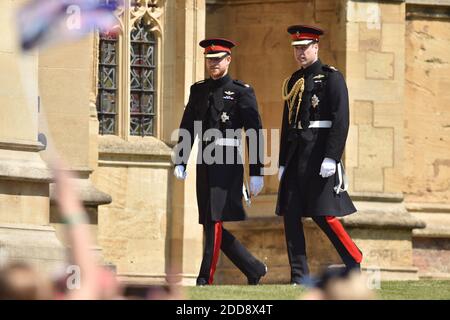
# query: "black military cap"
x,y
304,35
217,47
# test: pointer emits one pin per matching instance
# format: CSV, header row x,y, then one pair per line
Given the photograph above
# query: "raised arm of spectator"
x,y
78,235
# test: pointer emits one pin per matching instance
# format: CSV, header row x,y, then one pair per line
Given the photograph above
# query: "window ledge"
x,y
150,146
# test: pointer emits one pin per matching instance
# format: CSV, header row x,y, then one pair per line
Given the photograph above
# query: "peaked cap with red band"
x,y
217,47
304,35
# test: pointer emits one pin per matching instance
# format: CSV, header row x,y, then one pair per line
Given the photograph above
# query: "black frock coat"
x,y
223,104
302,190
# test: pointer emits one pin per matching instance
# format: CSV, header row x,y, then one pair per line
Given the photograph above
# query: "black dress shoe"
x,y
296,283
354,268
202,282
255,281
306,281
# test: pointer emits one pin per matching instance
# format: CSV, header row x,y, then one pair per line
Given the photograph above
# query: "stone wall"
x,y
375,68
65,84
427,117
133,230
25,233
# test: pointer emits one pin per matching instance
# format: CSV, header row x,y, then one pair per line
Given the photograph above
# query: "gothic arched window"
x,y
142,80
107,84
127,98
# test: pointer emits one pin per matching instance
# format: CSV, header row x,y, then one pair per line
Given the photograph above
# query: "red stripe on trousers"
x,y
217,243
343,236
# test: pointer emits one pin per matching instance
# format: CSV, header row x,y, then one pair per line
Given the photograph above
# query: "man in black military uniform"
x,y
221,105
314,131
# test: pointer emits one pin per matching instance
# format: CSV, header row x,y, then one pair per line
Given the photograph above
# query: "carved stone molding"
x,y
150,11
241,2
428,10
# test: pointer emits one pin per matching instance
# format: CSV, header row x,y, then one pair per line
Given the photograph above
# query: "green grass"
x,y
262,292
413,290
390,290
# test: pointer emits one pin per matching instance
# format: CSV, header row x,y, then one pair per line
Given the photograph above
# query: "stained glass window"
x,y
142,77
107,84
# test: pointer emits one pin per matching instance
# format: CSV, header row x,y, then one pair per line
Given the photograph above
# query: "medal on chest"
x,y
315,101
228,95
224,117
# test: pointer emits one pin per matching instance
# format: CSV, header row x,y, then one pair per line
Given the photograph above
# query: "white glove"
x,y
280,172
328,168
179,172
256,185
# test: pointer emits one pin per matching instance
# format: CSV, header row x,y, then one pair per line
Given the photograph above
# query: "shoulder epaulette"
x,y
200,82
329,68
241,83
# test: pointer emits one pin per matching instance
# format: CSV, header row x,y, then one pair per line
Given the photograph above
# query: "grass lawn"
x,y
390,290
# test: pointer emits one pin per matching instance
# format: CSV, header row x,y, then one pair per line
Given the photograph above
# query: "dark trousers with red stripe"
x,y
218,238
330,225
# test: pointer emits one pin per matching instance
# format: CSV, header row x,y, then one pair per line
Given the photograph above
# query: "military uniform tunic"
x,y
303,192
223,104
